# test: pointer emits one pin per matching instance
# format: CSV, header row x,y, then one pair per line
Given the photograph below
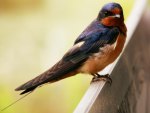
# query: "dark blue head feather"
x,y
107,10
110,6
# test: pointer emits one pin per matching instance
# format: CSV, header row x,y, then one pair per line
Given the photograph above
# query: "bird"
x,y
94,49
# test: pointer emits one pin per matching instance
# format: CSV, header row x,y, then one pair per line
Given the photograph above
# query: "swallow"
x,y
94,49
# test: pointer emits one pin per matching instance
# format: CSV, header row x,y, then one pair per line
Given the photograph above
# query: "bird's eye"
x,y
107,13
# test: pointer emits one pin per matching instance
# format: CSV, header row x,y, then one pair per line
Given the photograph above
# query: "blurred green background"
x,y
34,35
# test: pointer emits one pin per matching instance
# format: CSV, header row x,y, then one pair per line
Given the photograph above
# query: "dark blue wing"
x,y
92,42
95,25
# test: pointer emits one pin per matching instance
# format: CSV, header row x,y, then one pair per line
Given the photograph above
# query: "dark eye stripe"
x,y
107,13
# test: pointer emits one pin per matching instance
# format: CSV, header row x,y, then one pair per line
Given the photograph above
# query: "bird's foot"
x,y
98,77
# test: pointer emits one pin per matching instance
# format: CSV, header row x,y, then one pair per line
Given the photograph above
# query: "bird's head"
x,y
111,14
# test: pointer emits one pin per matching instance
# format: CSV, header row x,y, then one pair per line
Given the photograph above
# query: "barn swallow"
x,y
94,49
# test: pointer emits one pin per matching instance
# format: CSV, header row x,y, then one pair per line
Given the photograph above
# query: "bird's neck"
x,y
123,28
114,22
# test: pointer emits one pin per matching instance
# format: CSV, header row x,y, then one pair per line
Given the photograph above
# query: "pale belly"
x,y
104,57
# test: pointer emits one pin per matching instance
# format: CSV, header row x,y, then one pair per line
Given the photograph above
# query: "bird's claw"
x,y
102,77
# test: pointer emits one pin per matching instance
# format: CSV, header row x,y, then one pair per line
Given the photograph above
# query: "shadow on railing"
x,y
129,92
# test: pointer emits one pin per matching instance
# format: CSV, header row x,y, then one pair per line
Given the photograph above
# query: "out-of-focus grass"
x,y
34,35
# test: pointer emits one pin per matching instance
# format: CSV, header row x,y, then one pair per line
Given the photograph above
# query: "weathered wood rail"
x,y
130,90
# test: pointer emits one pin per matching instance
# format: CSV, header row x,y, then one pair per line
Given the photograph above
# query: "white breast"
x,y
104,57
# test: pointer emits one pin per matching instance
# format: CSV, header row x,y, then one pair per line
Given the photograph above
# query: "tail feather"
x,y
52,75
39,80
34,83
28,90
